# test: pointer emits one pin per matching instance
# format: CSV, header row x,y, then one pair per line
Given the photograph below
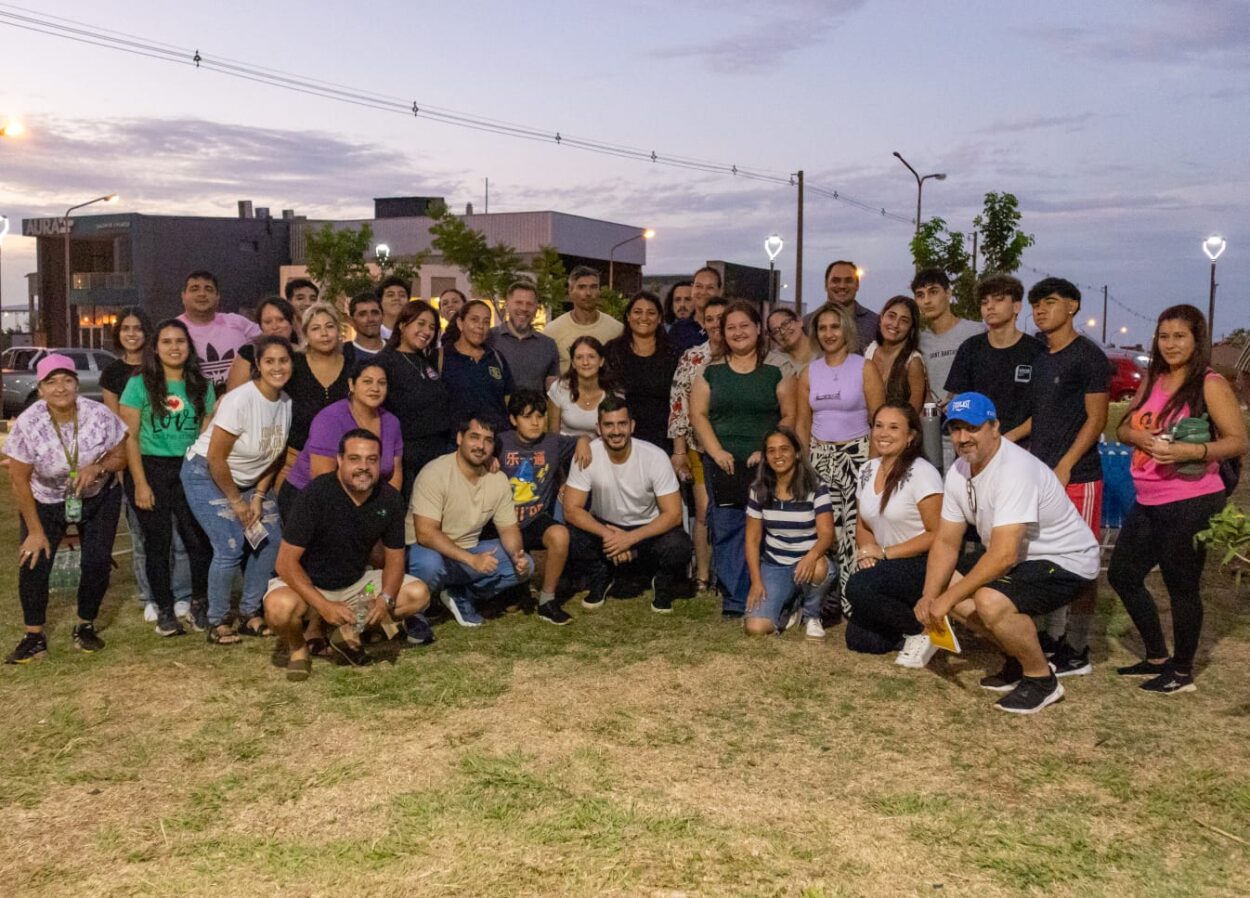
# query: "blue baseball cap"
x,y
971,408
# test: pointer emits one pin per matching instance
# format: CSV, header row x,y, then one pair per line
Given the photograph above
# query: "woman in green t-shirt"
x,y
165,407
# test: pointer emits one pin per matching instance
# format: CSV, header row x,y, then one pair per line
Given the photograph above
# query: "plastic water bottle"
x,y
363,604
931,431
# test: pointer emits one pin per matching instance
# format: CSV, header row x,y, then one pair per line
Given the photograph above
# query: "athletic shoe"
x,y
86,640
168,624
917,652
1068,662
815,629
461,609
1006,679
32,647
417,630
1170,682
552,613
733,615
149,612
1143,668
662,605
795,618
1031,695
182,611
199,616
595,599
1049,644
630,588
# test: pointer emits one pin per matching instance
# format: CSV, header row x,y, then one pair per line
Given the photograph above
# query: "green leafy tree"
x,y
935,247
1238,337
1002,242
490,268
612,302
336,260
550,279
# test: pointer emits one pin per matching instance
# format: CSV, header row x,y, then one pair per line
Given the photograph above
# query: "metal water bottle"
x,y
931,431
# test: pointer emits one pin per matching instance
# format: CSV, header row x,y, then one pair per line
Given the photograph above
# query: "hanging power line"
x,y
82,32
1090,287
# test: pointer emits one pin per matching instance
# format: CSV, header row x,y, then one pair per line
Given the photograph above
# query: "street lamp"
x,y
382,252
12,128
107,198
772,245
1214,247
646,234
937,176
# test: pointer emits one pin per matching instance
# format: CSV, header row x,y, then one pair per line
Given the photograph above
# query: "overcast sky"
x,y
1123,127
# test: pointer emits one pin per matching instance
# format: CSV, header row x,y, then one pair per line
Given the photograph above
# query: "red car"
x,y
1127,375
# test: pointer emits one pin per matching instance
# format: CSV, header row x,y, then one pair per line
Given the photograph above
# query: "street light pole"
x,y
646,234
107,198
772,246
1214,247
937,176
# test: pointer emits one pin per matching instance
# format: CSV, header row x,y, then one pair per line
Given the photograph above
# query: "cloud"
x,y
772,33
1069,123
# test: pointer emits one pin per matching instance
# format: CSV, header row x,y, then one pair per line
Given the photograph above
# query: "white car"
x,y
19,364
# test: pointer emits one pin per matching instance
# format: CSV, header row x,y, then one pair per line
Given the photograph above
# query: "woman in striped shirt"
x,y
789,531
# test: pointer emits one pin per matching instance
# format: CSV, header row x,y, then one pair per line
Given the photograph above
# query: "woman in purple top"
x,y
366,392
838,395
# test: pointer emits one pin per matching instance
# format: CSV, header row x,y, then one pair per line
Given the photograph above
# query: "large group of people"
x,y
352,469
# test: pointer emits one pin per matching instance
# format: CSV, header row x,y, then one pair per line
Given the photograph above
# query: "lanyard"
x,y
70,458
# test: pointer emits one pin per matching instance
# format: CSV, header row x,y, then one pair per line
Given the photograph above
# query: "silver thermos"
x,y
931,430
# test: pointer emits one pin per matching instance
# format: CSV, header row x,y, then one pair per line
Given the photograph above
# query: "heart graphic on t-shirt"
x,y
174,404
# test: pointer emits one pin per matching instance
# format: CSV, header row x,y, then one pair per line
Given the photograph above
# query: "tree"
x,y
934,247
1238,337
490,268
336,260
550,279
1002,242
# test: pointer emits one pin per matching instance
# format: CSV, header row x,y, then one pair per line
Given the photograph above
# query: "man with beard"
x,y
455,496
631,531
585,318
323,562
216,335
366,313
533,357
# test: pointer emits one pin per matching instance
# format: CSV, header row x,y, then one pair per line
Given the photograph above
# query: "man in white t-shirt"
x,y
632,529
217,335
584,319
1040,553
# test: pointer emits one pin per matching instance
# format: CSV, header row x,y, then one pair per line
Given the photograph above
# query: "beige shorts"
x,y
349,594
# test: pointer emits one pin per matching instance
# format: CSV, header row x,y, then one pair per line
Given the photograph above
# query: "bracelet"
x,y
1204,452
884,553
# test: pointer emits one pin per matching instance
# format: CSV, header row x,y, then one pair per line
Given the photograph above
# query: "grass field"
x,y
628,754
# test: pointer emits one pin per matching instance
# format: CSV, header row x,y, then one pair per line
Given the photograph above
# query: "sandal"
x,y
223,634
298,669
318,647
255,626
702,587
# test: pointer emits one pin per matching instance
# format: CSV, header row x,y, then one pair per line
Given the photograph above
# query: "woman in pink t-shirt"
x,y
1173,502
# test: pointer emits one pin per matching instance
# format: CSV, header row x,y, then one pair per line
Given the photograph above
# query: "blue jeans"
x,y
180,572
230,545
437,571
780,591
727,526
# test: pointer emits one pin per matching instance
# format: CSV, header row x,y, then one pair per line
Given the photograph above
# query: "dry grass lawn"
x,y
628,754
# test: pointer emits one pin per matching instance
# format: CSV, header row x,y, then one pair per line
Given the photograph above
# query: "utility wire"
x,y
1096,289
85,33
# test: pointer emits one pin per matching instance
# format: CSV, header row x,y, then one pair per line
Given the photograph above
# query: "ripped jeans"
x,y
230,546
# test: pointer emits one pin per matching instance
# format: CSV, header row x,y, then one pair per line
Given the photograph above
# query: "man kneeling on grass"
x,y
1040,554
631,531
323,562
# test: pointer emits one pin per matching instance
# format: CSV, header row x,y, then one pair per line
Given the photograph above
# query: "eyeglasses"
x,y
781,329
972,495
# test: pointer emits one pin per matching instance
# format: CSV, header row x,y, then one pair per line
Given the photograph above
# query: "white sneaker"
x,y
815,630
149,612
917,652
793,620
182,610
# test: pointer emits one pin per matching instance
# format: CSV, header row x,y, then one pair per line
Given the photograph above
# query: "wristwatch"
x,y
390,602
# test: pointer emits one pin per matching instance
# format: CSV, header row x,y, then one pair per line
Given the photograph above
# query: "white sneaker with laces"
x,y
917,652
182,610
150,612
815,630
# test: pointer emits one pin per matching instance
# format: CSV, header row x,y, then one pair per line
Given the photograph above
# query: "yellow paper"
x,y
944,637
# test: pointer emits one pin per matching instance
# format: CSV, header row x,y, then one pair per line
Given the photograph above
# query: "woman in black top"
x,y
319,374
276,318
130,335
415,393
642,362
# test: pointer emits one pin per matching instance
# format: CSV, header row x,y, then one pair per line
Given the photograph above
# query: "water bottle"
x,y
931,431
363,604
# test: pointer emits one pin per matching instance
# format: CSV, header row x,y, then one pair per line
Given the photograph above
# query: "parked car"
x,y
19,364
1127,374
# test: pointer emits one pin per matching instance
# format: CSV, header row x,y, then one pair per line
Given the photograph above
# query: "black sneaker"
x,y
417,631
1050,645
86,640
1170,682
1143,668
662,604
199,615
167,623
1031,695
595,599
32,647
732,615
1068,662
1006,679
554,614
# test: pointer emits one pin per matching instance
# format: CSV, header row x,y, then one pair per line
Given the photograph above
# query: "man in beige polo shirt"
x,y
455,496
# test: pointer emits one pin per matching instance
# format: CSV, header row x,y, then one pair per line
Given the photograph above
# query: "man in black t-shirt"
x,y
1071,387
323,562
999,362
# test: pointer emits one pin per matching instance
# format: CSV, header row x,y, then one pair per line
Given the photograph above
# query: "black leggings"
x,y
163,475
1164,535
883,597
96,529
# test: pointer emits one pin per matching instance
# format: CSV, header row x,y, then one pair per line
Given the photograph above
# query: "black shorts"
x,y
535,527
1039,587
